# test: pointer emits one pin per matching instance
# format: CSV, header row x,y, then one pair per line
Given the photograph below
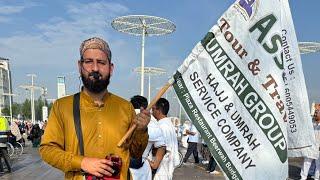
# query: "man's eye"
x,y
102,62
87,61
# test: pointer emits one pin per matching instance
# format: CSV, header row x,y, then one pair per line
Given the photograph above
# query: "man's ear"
x,y
79,66
111,68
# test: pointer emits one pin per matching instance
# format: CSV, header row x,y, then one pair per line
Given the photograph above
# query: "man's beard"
x,y
95,85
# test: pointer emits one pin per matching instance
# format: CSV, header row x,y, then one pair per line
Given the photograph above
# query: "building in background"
x,y
44,113
5,84
61,86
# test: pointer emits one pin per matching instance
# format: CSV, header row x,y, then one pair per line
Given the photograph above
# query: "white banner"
x,y
231,86
301,138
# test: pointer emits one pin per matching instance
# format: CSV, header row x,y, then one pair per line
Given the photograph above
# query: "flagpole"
x,y
181,69
154,100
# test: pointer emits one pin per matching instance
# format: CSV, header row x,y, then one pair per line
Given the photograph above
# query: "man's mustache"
x,y
95,75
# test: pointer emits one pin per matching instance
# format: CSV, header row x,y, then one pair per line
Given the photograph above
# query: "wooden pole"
x,y
154,100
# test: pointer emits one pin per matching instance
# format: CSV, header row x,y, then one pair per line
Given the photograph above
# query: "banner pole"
x,y
154,100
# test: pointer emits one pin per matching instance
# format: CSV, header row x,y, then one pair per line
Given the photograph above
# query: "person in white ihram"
x,y
185,136
155,140
170,159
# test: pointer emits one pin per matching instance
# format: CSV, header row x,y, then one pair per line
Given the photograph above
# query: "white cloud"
x,y
103,8
59,36
6,11
11,9
14,9
53,50
55,45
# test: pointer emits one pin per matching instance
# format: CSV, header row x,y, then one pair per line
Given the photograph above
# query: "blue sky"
x,y
43,37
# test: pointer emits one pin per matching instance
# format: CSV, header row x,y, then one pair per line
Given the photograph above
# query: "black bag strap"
x,y
77,121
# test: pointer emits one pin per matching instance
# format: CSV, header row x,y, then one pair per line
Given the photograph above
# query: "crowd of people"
x,y
159,158
16,131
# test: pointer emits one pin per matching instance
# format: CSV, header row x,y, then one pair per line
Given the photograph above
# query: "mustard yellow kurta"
x,y
102,129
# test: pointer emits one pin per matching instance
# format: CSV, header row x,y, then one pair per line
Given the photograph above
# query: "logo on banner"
x,y
247,8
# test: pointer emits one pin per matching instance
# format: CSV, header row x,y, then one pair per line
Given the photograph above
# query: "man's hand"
x,y
161,151
97,167
142,119
153,165
190,133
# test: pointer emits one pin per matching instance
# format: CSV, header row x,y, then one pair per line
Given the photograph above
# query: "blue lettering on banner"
x,y
247,5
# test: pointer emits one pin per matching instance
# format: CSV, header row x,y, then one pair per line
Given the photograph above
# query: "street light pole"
x,y
10,97
149,90
142,58
32,88
32,97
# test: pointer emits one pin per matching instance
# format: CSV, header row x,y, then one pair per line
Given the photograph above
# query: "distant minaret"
x,y
61,86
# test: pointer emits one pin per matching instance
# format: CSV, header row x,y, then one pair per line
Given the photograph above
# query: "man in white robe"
x,y
169,160
156,140
185,136
192,144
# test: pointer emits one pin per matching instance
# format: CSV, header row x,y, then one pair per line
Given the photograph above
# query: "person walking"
x,y
211,168
192,144
35,135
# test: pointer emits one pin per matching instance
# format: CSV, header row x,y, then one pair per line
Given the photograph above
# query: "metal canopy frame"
x,y
143,25
309,47
135,24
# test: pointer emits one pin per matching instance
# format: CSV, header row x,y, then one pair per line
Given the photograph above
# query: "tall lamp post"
x,y
151,71
143,25
32,88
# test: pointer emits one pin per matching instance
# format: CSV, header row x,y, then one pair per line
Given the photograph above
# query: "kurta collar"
x,y
88,101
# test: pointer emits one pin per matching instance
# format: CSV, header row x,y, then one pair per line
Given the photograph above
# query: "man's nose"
x,y
95,66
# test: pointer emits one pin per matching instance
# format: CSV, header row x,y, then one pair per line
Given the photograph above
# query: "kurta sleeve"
x,y
52,144
138,141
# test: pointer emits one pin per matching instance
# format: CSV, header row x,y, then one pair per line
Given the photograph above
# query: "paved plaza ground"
x,y
29,166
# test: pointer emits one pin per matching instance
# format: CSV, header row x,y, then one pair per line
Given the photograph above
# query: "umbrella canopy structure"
x,y
143,25
309,47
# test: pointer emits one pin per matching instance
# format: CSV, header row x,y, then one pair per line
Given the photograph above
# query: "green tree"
x,y
16,109
26,109
49,107
38,108
5,111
